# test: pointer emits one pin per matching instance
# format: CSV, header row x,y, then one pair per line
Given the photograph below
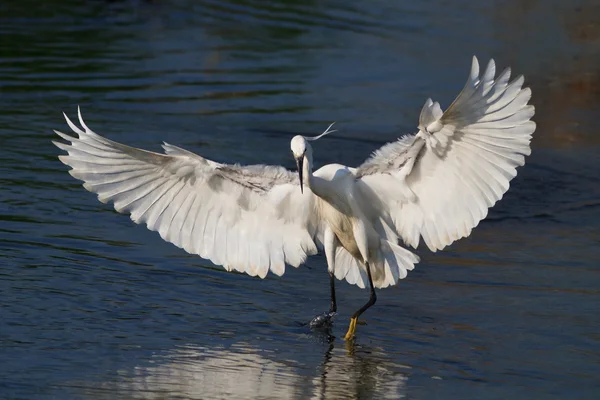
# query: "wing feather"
x,y
217,211
458,165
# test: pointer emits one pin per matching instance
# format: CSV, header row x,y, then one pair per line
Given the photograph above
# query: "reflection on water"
x,y
94,306
240,372
367,373
243,371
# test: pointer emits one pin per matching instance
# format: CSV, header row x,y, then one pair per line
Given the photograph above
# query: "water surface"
x,y
92,306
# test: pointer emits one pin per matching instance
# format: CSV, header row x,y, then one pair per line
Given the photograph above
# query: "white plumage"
x,y
458,165
436,184
249,219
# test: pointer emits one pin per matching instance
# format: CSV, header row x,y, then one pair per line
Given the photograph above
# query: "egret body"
x,y
436,184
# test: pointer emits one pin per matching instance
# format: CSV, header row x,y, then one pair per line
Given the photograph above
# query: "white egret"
x,y
436,184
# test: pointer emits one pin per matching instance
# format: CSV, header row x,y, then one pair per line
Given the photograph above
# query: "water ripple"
x,y
94,306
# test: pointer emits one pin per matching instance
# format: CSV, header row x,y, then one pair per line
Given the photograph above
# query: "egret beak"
x,y
299,164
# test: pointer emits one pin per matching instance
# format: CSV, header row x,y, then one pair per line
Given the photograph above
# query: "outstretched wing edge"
x,y
250,219
439,183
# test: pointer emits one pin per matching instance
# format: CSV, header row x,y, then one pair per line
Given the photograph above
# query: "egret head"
x,y
298,146
301,149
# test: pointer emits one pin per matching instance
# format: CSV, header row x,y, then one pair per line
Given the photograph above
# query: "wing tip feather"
x,y
64,159
474,74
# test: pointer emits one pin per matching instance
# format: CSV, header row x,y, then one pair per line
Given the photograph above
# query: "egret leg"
x,y
333,307
372,300
324,320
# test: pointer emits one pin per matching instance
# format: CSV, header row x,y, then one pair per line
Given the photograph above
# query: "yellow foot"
x,y
351,329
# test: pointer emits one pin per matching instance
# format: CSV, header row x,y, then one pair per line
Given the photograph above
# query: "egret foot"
x,y
351,329
324,320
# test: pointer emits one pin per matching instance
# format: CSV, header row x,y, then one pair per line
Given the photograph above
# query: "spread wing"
x,y
251,219
439,183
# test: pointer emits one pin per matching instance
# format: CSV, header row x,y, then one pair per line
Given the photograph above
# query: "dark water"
x,y
93,307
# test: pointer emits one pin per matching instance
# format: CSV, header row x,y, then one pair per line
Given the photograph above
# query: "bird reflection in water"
x,y
245,372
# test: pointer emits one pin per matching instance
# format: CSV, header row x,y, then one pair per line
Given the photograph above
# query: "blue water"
x,y
93,306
